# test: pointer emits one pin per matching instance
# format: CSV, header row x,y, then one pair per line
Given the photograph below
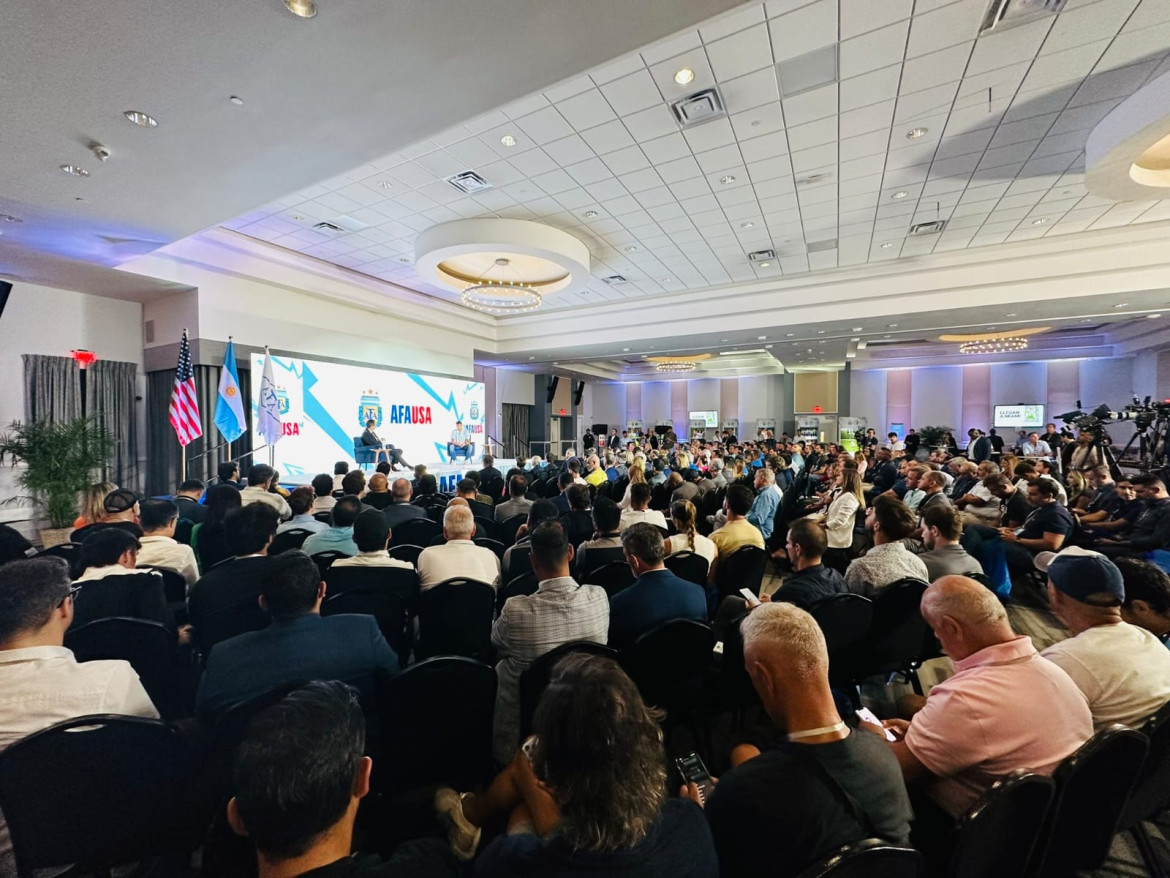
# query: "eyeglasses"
x,y
72,595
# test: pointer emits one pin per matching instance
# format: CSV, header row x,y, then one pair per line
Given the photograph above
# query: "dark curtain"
x,y
112,402
52,390
162,446
514,420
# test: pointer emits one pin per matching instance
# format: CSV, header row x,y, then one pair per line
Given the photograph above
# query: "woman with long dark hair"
x,y
209,539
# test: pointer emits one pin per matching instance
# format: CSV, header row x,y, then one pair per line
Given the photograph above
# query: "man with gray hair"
x,y
768,496
656,596
459,556
1005,708
715,478
825,783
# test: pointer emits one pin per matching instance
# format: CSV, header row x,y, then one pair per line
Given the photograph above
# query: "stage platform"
x,y
448,474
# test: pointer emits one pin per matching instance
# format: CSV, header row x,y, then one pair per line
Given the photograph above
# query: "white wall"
x,y
655,402
516,388
867,396
609,405
703,396
1019,382
760,396
936,396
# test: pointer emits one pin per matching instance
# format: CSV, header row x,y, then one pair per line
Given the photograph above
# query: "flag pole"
x,y
182,447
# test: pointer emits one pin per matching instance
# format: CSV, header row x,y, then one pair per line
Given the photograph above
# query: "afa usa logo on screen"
x,y
371,409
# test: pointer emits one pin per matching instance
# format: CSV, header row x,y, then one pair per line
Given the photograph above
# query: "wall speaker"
x,y
577,394
5,289
552,389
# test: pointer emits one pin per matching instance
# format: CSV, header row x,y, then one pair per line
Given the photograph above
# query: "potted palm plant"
x,y
61,459
932,437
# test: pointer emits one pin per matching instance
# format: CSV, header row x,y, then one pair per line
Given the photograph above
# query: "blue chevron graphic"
x,y
315,410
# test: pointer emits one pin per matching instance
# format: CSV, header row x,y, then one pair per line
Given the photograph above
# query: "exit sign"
x,y
564,412
817,409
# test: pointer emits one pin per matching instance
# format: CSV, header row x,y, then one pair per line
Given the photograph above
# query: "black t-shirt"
x,y
776,814
1016,508
810,585
379,500
84,533
1051,518
421,858
1107,500
678,846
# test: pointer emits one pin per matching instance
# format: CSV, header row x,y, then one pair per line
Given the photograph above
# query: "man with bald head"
x,y
378,496
401,509
459,556
1005,708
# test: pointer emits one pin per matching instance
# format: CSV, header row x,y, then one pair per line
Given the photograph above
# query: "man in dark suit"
x,y
373,441
656,596
489,473
979,448
564,482
187,499
299,644
401,510
578,521
468,489
249,532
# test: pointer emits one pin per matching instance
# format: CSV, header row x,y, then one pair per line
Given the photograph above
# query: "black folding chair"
x,y
325,560
400,580
174,585
997,835
388,608
868,859
485,528
101,791
415,531
896,633
613,577
324,517
525,583
239,618
495,545
689,566
845,621
743,568
435,512
71,552
508,528
406,552
437,725
1092,788
535,678
148,646
293,538
1151,794
455,618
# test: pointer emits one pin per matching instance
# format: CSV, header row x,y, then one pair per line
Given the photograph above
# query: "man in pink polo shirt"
x,y
1005,708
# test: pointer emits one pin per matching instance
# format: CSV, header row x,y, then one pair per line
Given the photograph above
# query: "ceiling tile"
x,y
608,137
750,91
568,150
696,61
956,23
1012,46
567,89
1062,67
732,22
805,29
719,159
811,106
524,106
544,126
640,181
812,134
758,122
875,117
533,162
1076,27
651,123
589,171
664,149
616,69
741,53
878,85
624,161
766,147
874,50
554,182
632,93
586,110
709,135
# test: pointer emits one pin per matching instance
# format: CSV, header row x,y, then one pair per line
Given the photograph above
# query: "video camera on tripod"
x,y
1145,414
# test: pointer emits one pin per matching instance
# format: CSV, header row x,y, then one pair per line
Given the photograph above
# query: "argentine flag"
x,y
229,408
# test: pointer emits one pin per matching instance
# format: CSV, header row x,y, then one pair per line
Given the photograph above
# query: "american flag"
x,y
184,405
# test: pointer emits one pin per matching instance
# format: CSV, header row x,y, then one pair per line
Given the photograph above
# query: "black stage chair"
x,y
389,609
240,618
870,858
535,678
613,577
689,566
495,545
455,618
997,835
845,621
1092,788
525,583
148,646
101,791
896,634
71,552
400,580
231,722
407,552
325,560
486,528
508,528
293,538
1151,795
743,568
415,531
668,664
437,725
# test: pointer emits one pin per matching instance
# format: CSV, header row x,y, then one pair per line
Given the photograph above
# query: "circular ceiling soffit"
x,y
991,336
472,252
1127,155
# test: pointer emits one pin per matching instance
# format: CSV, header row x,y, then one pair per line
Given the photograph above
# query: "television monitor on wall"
x,y
710,419
1019,417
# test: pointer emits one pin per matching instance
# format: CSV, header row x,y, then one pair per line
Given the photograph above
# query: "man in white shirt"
x,y
40,681
1123,670
260,479
460,444
638,513
159,548
1035,447
372,535
460,556
889,560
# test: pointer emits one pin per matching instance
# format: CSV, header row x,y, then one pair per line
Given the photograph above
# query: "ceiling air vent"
x,y
931,228
469,182
822,246
340,225
700,107
614,279
762,255
329,229
1003,14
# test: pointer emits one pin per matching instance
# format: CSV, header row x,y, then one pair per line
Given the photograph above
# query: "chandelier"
x,y
994,345
675,366
501,297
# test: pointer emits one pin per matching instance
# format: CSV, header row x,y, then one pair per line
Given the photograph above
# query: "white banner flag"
x,y
269,425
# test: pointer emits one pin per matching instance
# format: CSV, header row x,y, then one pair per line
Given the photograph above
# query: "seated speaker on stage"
x,y
370,439
460,444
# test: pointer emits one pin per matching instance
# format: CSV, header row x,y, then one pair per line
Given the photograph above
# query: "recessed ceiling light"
x,y
684,75
765,264
631,249
887,245
855,339
856,329
727,179
747,225
1122,305
140,118
789,334
723,339
404,259
665,280
768,346
75,171
301,8
237,100
820,332
887,336
1152,316
508,140
915,133
385,184
532,358
1013,314
625,350
1039,222
590,214
901,193
892,325
761,337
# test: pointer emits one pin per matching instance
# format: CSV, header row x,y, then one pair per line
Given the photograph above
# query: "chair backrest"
x,y
387,607
743,568
494,488
174,585
508,528
845,621
71,552
535,678
613,577
1151,795
398,580
286,540
407,552
997,835
435,512
147,646
415,531
525,583
495,545
668,663
897,631
1092,788
867,859
99,791
232,721
324,517
688,565
455,618
437,725
486,528
325,560
240,618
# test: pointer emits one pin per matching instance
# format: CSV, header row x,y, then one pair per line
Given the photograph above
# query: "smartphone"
x,y
694,771
748,596
870,717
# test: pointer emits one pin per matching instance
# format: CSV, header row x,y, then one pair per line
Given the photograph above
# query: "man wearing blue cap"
x,y
1123,670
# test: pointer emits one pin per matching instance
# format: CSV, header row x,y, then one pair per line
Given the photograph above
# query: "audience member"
x,y
1147,596
188,498
93,500
323,489
578,521
606,543
884,472
564,482
459,557
889,560
1034,446
1029,712
1044,530
338,537
517,503
41,683
379,496
109,558
688,489
300,503
228,473
120,511
657,595
688,539
209,540
371,534
1122,669
13,545
516,561
530,625
260,479
941,529
1014,507
1151,530
353,484
766,502
638,513
249,533
340,471
402,509
157,547
812,580
591,797
778,811
737,531
840,519
469,490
